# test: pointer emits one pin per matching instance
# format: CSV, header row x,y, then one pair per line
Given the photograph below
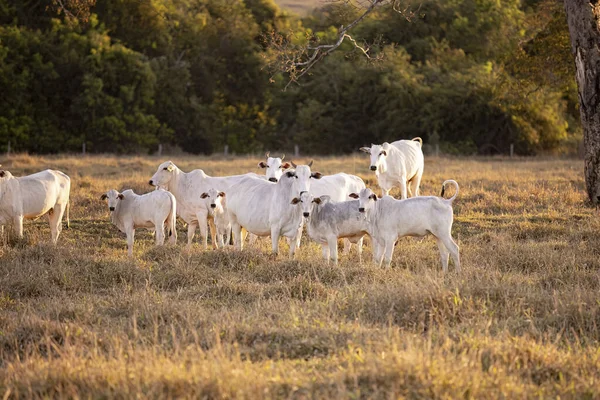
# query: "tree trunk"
x,y
583,19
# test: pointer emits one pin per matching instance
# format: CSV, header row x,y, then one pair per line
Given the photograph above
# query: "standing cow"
x,y
398,164
187,188
32,196
129,211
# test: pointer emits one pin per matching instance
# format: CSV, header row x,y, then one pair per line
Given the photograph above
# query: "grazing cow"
x,y
129,211
274,167
400,163
217,206
31,196
390,219
187,187
327,221
267,209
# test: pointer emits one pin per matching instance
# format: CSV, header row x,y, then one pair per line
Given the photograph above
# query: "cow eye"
x,y
296,176
165,168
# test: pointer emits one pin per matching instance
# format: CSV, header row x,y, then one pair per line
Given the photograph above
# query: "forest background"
x,y
471,76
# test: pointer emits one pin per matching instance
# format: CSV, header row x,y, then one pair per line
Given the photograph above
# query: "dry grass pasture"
x,y
522,320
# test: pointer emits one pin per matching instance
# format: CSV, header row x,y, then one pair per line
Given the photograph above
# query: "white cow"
x,y
187,187
390,219
328,221
400,163
267,209
217,206
153,210
274,167
31,196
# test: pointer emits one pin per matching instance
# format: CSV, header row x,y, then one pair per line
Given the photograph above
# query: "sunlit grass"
x,y
521,320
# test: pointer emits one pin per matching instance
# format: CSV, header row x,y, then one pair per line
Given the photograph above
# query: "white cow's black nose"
x,y
272,179
213,206
150,182
361,209
306,214
111,208
373,168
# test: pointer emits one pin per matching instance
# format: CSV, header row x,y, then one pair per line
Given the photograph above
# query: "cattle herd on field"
x,y
276,204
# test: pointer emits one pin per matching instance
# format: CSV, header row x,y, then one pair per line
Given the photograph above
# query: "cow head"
x,y
366,199
163,174
113,199
378,154
274,167
214,198
303,176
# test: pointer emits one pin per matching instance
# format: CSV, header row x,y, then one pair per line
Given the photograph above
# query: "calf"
x,y
217,207
390,219
328,221
400,163
151,210
32,196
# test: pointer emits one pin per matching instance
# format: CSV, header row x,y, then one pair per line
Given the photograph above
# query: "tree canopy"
x,y
125,75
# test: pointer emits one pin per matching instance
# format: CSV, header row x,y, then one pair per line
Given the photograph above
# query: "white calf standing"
x,y
32,196
151,210
390,219
217,208
400,163
329,221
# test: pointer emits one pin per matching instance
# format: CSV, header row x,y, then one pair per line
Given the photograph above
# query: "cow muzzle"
x,y
111,208
150,182
306,214
273,180
361,209
373,168
213,206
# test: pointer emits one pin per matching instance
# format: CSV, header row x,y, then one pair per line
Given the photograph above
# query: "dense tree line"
x,y
471,75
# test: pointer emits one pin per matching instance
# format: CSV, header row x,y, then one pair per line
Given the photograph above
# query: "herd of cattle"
x,y
276,204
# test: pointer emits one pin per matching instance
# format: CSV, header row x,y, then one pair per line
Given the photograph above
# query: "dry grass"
x,y
522,320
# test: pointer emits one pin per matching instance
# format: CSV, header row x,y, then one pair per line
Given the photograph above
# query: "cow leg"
x,y
403,189
130,239
55,219
213,233
236,231
359,249
332,241
18,226
252,239
275,233
204,233
227,237
444,254
453,249
389,251
347,247
191,232
172,230
415,183
293,242
159,229
378,248
325,249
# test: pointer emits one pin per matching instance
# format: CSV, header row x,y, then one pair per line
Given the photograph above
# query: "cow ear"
x,y
222,194
120,196
2,174
204,195
374,197
295,200
353,195
317,200
365,150
171,167
383,152
290,174
262,164
316,175
285,165
103,197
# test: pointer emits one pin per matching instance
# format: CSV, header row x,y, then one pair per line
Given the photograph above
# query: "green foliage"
x,y
477,75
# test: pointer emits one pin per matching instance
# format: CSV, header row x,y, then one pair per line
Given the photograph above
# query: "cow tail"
x,y
172,216
451,199
68,212
418,139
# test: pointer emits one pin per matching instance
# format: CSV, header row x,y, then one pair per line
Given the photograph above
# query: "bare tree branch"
x,y
296,61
